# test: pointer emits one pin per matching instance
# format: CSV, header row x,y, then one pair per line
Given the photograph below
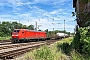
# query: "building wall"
x,y
87,7
81,9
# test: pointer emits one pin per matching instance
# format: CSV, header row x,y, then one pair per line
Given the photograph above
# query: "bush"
x,y
81,41
66,48
43,54
65,45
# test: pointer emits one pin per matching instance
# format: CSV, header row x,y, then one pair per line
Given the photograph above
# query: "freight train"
x,y
23,35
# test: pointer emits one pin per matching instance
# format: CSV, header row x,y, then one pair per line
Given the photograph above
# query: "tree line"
x,y
6,28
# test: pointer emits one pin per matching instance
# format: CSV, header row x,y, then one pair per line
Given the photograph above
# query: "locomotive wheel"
x,y
13,41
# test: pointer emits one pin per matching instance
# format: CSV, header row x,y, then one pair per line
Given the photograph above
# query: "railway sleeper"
x,y
6,54
6,47
22,52
11,55
19,53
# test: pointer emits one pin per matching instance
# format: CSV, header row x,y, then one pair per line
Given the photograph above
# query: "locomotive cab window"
x,y
16,31
22,31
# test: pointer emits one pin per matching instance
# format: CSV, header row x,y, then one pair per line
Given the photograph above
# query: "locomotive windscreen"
x,y
16,31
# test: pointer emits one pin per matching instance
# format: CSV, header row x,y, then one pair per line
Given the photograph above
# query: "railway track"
x,y
13,50
18,45
5,42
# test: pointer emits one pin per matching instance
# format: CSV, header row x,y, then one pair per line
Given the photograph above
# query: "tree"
x,y
85,1
6,28
24,27
46,30
31,27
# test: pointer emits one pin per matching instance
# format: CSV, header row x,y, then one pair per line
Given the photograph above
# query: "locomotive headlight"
x,y
14,35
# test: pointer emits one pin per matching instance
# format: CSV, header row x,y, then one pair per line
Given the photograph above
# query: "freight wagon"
x,y
62,35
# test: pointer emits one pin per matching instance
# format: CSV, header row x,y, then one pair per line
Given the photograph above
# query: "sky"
x,y
48,14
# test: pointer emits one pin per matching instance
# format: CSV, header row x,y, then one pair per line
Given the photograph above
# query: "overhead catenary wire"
x,y
22,4
27,8
52,18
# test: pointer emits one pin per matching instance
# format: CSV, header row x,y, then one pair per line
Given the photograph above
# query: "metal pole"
x,y
36,26
64,28
53,29
53,32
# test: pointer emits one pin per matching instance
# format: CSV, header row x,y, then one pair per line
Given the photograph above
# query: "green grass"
x,y
56,51
76,56
5,38
47,53
66,40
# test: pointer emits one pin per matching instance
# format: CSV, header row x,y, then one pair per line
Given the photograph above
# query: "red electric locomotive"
x,y
19,35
